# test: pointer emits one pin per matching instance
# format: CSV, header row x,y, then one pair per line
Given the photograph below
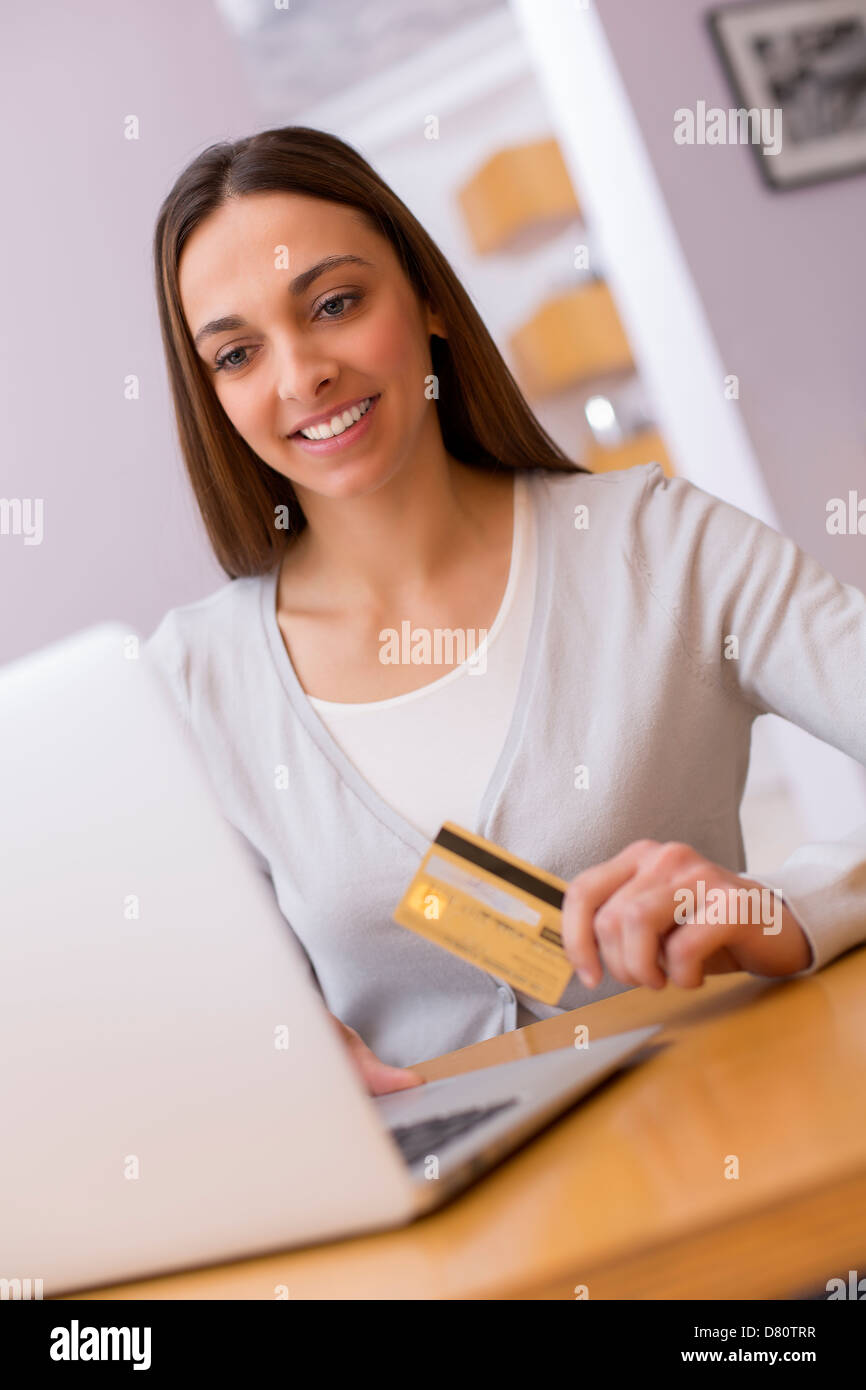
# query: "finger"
x,y
382,1078
694,950
583,897
721,962
379,1077
607,926
646,917
629,927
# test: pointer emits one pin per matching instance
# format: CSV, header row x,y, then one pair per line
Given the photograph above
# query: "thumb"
x,y
379,1077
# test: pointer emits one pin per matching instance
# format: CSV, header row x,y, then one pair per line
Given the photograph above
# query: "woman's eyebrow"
x,y
297,286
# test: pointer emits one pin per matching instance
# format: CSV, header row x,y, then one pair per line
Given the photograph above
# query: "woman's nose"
x,y
302,370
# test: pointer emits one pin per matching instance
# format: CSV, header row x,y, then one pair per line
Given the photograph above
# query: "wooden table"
x,y
628,1194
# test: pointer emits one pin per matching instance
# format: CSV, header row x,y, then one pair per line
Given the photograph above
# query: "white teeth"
x,y
338,423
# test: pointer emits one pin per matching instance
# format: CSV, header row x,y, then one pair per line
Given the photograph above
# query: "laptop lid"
x,y
173,1092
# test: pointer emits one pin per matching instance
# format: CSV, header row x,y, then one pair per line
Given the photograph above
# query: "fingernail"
x,y
586,978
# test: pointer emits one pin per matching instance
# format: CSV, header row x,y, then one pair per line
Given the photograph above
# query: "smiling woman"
x,y
355,441
364,464
266,336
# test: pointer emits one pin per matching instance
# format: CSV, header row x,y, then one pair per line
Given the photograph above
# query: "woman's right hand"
x,y
377,1076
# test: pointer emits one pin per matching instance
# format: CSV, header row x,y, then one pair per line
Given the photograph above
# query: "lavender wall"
x,y
121,534
782,276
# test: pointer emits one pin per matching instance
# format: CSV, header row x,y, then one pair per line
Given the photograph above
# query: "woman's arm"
x,y
762,620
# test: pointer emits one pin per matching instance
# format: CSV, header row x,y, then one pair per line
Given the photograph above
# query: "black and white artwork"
x,y
805,62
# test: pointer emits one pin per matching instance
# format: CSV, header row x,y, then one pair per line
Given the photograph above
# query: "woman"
x,y
371,479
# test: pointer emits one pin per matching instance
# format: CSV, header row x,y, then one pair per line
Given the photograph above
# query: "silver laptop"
x,y
172,1090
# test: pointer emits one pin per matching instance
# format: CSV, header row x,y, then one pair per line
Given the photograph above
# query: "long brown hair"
x,y
483,418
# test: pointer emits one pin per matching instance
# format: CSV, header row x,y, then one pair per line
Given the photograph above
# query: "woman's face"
x,y
304,338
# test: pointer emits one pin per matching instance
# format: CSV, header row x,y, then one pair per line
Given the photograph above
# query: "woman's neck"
x,y
381,548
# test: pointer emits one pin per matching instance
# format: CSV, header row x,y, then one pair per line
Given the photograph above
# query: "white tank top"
x,y
431,753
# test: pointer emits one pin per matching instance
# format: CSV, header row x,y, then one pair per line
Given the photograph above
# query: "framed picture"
x,y
800,67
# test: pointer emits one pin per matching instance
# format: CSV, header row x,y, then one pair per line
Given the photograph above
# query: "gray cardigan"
x,y
625,673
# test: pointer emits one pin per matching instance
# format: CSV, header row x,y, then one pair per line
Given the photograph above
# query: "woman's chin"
x,y
344,477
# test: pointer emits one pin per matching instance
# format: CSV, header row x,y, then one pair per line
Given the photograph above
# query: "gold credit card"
x,y
492,909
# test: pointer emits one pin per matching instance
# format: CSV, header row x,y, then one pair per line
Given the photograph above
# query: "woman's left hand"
x,y
641,914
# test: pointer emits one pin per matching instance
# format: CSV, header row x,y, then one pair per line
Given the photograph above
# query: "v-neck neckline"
x,y
328,746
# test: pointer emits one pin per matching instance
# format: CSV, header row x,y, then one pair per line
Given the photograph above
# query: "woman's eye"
x,y
335,302
338,299
224,363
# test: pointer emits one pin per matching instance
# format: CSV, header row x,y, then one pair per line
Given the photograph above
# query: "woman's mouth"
x,y
340,430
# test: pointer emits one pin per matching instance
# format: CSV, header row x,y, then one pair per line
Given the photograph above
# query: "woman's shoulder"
x,y
597,503
610,488
208,631
662,523
621,480
643,495
197,620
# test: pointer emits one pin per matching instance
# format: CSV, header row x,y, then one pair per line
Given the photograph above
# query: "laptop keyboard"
x,y
430,1135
